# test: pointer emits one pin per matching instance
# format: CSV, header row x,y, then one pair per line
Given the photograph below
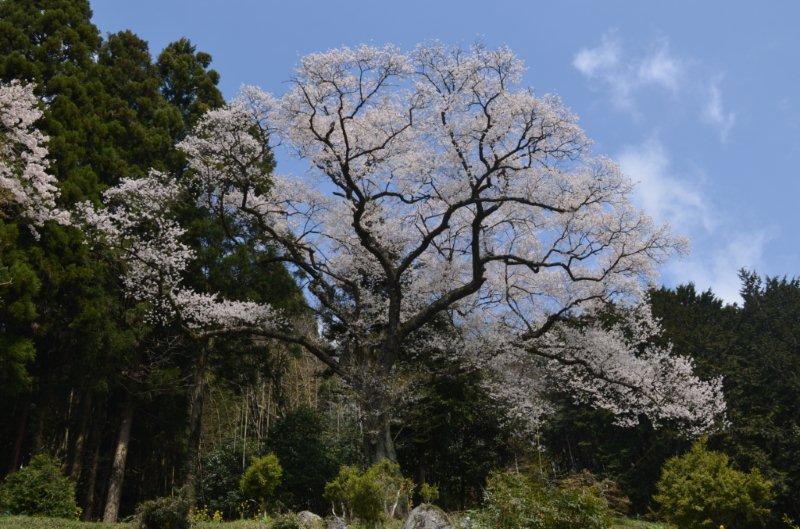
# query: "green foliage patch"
x,y
700,490
262,477
169,512
219,481
39,489
372,496
297,440
515,500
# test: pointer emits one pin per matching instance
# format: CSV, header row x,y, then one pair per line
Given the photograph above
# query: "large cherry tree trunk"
x,y
118,466
378,438
377,406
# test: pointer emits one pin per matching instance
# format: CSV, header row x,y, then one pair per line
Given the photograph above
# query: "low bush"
x,y
353,496
260,480
169,512
372,496
218,489
39,489
514,500
286,521
429,493
608,489
701,490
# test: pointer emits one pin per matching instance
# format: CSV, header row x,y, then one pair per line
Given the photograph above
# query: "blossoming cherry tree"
x,y
440,193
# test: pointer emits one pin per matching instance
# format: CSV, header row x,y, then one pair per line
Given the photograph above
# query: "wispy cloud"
x,y
660,68
599,60
670,189
610,69
720,247
622,74
715,114
665,196
718,267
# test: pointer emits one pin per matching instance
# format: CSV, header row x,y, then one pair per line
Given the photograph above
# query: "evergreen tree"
x,y
55,284
187,83
297,441
762,388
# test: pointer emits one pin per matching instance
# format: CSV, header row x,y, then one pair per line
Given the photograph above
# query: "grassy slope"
x,y
28,522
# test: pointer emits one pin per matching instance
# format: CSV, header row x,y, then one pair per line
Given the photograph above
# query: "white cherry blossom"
x,y
27,190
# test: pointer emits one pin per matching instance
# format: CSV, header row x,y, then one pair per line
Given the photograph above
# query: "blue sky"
x,y
698,101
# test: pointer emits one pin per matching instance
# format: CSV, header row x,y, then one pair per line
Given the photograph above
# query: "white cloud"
x,y
621,76
593,61
661,69
719,245
714,113
718,268
665,196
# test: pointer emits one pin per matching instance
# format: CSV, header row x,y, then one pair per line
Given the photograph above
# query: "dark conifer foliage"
x,y
187,83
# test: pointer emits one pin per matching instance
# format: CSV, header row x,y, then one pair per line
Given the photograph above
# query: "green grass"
x,y
238,524
37,522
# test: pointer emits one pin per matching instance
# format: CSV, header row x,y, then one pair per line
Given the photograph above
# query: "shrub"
x,y
701,490
340,491
261,478
356,496
297,440
39,489
429,493
169,512
394,489
514,500
608,489
371,496
218,489
286,521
